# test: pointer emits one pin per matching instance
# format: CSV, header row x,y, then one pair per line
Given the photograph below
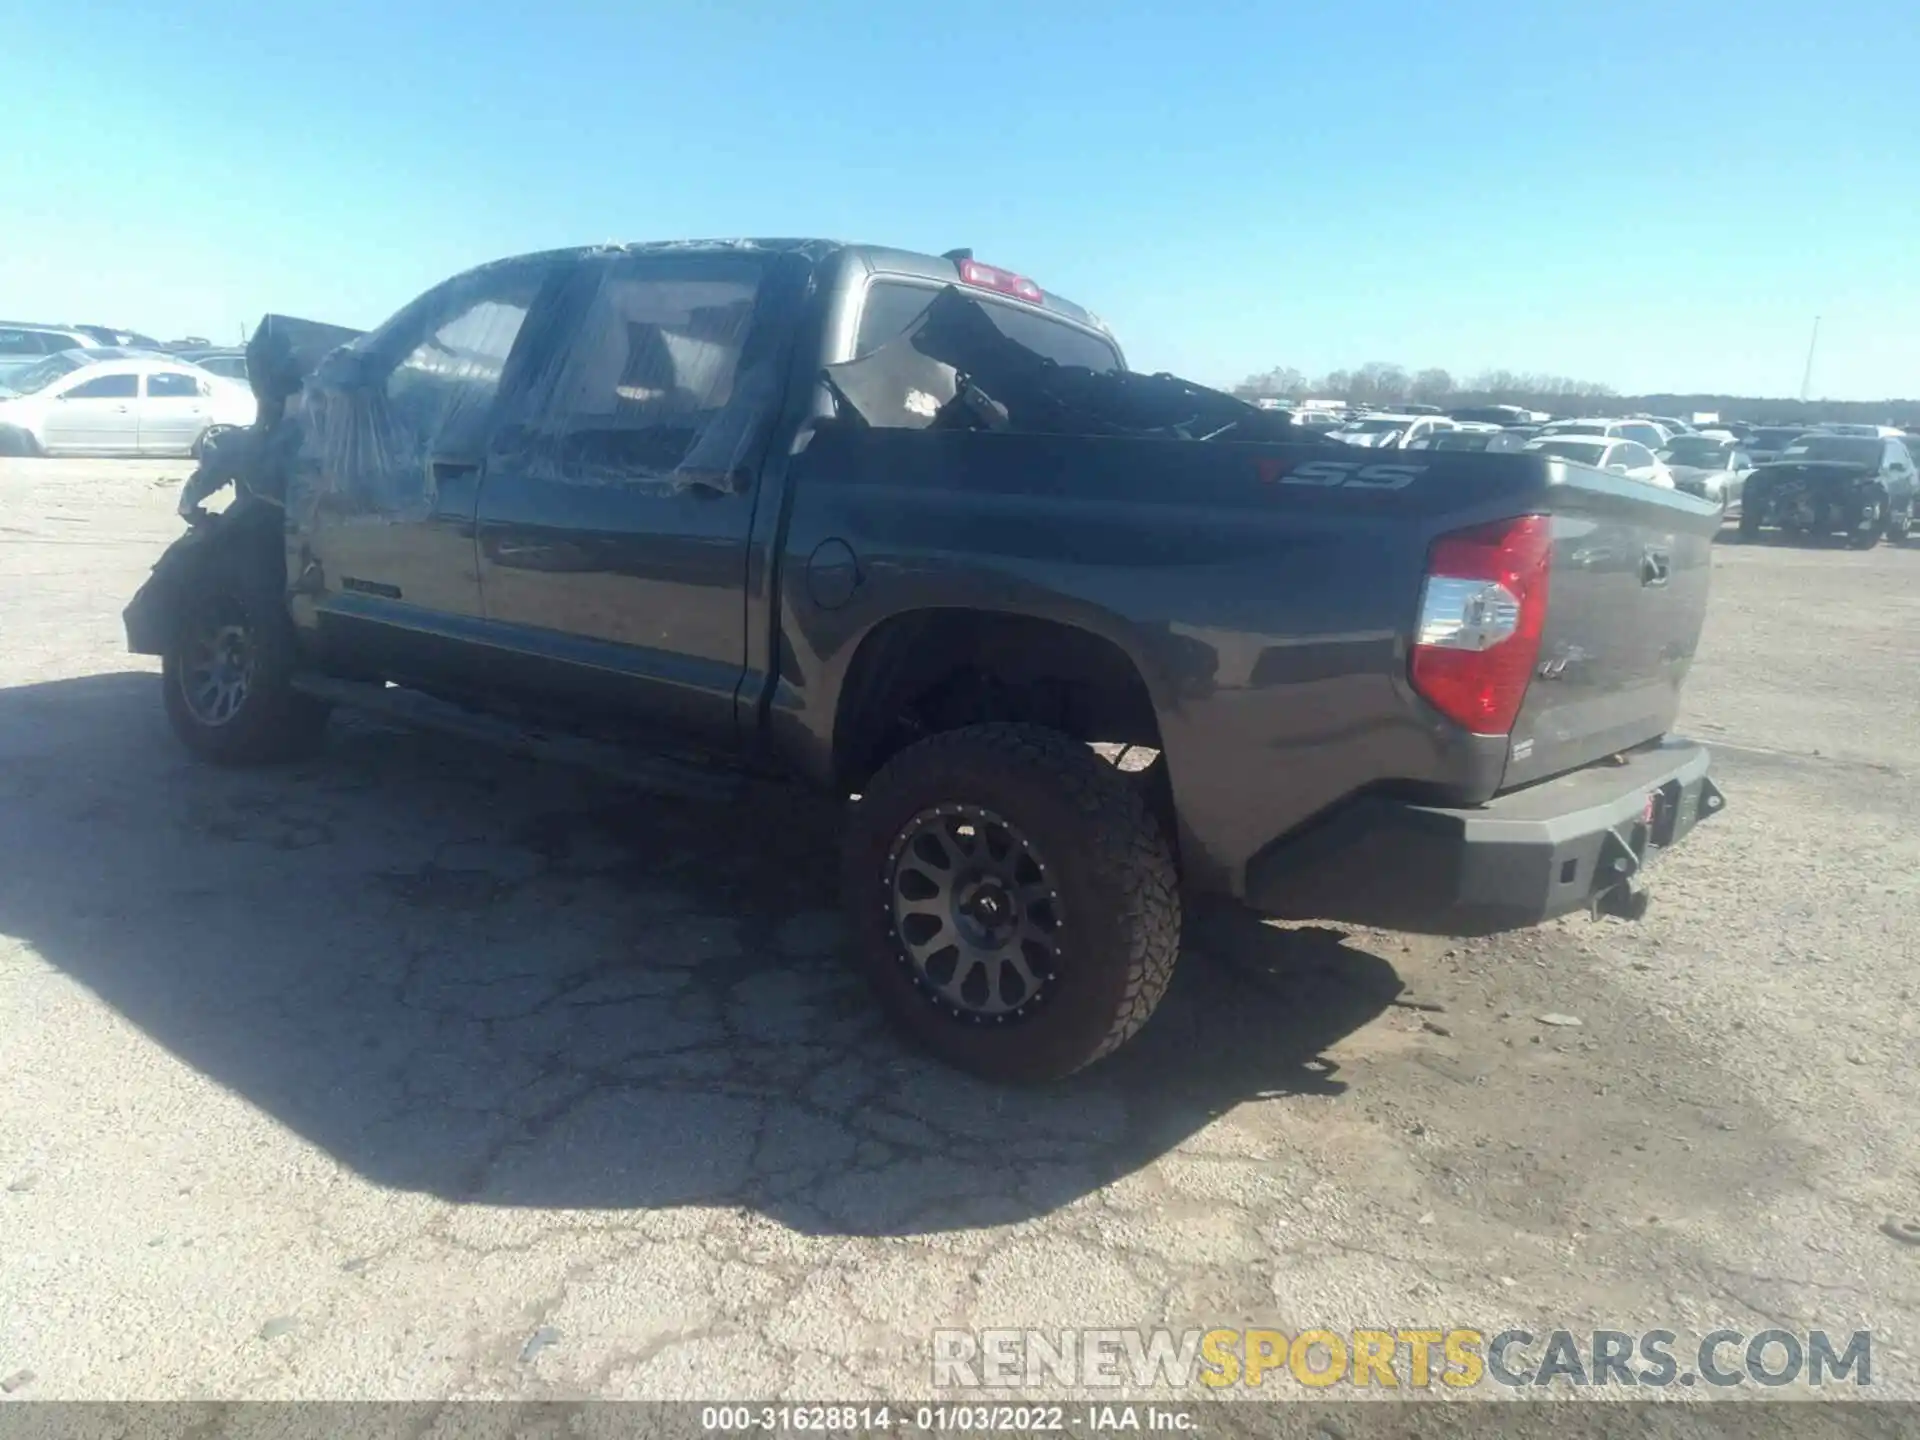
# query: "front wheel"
x,y
1900,526
227,672
1013,900
210,437
1869,522
1749,521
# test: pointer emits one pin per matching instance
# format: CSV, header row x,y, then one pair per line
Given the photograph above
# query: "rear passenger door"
x,y
173,412
620,483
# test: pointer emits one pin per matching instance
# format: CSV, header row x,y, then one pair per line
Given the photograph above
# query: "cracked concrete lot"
x,y
421,1071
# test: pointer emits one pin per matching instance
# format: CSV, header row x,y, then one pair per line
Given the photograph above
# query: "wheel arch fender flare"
x,y
152,616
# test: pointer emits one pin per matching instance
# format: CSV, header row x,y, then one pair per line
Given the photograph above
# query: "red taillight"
x,y
989,277
1481,613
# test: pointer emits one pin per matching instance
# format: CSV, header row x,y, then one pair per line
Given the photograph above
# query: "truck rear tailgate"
x,y
1627,595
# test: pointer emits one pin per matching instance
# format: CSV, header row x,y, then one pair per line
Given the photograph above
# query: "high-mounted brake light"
x,y
1482,610
989,277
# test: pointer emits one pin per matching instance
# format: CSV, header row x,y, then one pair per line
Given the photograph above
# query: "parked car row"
x,y
23,344
1852,479
116,400
1856,479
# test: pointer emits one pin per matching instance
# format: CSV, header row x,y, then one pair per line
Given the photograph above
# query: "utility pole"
x,y
1806,378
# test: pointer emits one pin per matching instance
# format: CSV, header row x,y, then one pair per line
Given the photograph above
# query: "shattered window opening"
x,y
642,380
891,306
375,425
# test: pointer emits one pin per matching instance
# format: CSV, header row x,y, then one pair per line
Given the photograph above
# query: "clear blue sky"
x,y
1659,196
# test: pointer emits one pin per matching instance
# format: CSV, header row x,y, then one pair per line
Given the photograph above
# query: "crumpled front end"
x,y
1811,495
256,461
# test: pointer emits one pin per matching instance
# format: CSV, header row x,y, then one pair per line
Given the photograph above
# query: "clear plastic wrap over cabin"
x,y
633,367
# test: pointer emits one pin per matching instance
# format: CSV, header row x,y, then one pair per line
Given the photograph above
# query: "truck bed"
x,y
1268,591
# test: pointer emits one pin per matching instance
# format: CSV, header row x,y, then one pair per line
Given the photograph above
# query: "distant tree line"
x,y
1380,385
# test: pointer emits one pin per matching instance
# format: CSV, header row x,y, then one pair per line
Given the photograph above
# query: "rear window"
x,y
892,307
38,376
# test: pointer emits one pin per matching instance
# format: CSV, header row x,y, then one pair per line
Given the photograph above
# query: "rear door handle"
x,y
1655,567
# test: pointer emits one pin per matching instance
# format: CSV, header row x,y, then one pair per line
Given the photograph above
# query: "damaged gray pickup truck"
x,y
905,527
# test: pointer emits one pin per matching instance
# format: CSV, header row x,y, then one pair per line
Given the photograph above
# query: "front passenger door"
x,y
385,536
96,416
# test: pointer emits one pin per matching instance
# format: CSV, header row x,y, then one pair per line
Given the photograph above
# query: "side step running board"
x,y
644,771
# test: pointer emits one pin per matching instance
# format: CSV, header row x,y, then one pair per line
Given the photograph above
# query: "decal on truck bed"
x,y
1328,474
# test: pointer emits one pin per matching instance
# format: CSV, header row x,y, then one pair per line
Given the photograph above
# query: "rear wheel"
x,y
1749,521
1013,900
228,671
1900,526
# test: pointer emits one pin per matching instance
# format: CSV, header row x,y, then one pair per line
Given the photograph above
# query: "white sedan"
x,y
110,401
1620,457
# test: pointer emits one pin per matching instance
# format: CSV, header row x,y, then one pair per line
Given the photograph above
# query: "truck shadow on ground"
x,y
502,982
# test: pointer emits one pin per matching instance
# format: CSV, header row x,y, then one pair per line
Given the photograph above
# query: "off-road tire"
x,y
1120,931
274,722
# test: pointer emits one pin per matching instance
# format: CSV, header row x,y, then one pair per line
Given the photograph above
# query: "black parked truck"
x,y
905,527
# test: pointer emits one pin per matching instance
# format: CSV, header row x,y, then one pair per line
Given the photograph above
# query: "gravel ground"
x,y
417,1071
